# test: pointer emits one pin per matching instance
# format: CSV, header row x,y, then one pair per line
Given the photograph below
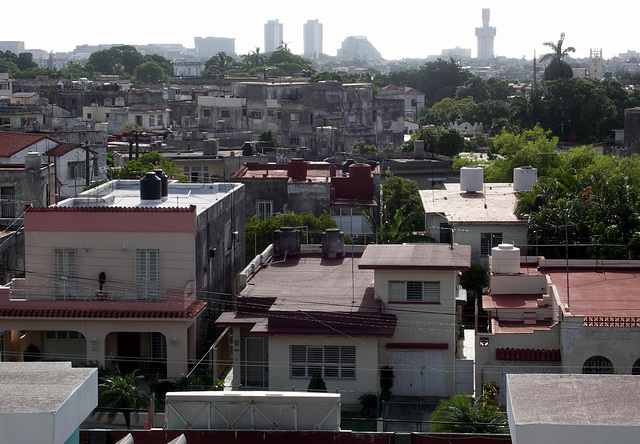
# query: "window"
x,y
148,273
76,170
414,291
88,115
160,120
635,370
256,114
8,206
330,361
152,121
488,241
295,117
597,365
264,208
139,120
225,113
197,174
206,112
66,272
270,112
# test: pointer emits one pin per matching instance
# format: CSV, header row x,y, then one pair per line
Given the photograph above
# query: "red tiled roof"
x,y
12,143
191,312
527,354
62,149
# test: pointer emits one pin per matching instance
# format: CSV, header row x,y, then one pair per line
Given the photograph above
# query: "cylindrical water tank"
x,y
471,179
524,178
505,259
150,187
165,181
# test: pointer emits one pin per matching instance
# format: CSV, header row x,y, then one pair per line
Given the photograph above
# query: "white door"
x,y
419,373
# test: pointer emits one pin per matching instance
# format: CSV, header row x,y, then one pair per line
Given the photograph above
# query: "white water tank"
x,y
471,179
505,259
524,178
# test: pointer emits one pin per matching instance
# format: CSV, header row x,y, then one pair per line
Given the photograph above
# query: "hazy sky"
x,y
398,30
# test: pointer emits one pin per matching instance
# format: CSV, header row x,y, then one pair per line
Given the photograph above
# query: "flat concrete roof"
x,y
126,194
494,205
416,257
556,399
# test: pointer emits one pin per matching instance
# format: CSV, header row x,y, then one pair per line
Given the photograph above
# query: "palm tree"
x,y
253,59
122,394
458,415
221,63
557,68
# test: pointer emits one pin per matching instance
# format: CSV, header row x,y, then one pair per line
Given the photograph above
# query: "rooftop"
x,y
126,194
416,257
495,204
556,399
12,143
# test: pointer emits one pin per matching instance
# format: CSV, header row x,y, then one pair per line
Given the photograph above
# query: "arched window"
x,y
597,365
635,370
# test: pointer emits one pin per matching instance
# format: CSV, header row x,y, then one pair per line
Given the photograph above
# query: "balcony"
x,y
53,296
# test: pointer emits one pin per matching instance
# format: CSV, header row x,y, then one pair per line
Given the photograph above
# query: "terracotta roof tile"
x,y
12,143
191,312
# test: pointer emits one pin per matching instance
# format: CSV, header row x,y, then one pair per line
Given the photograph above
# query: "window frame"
x,y
331,361
147,273
488,241
264,208
414,292
65,273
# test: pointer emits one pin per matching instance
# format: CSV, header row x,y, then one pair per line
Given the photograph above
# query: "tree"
x,y
135,169
75,70
122,394
253,59
557,68
25,61
164,63
440,79
403,195
363,148
458,415
121,60
476,88
221,63
150,73
284,63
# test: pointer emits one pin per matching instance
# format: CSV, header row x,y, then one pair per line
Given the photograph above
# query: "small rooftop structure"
x,y
573,408
45,402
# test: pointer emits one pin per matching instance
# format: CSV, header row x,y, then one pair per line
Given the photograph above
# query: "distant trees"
x,y
123,60
149,72
447,142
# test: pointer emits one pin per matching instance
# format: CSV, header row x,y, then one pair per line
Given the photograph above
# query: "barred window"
x,y
66,273
488,241
414,291
148,273
330,361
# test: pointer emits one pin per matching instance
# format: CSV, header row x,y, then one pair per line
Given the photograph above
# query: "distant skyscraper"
x,y
13,46
358,48
485,37
312,39
273,36
207,47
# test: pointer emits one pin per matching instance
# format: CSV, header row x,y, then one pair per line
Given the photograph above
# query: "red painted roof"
x,y
191,312
190,209
62,149
12,143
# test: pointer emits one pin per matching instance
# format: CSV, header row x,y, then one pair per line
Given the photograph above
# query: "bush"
x,y
369,404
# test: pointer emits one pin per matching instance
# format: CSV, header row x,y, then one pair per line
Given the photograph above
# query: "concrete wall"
x,y
367,377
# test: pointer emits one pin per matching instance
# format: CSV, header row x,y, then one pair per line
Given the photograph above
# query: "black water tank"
x,y
165,181
247,149
150,187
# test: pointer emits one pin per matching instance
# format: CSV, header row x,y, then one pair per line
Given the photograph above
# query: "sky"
x,y
406,30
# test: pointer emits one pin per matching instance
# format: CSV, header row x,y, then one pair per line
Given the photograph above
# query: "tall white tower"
x,y
485,37
312,39
596,65
273,36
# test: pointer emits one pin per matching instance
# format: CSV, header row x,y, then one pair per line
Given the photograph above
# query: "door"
x,y
256,362
419,373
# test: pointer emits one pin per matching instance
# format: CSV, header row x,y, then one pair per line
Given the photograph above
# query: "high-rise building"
x,y
207,47
485,37
273,35
312,39
358,47
14,47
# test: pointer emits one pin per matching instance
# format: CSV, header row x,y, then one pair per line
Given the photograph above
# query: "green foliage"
x,y
284,63
446,142
475,278
317,384
221,63
267,139
458,415
149,72
25,61
121,394
31,353
120,60
557,68
403,195
259,233
369,404
490,391
135,169
363,148
75,70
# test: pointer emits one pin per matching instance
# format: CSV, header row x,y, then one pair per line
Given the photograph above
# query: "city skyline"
x,y
420,31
